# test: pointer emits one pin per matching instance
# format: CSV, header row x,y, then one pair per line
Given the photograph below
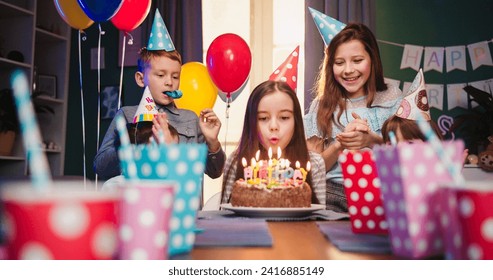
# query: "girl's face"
x,y
162,74
275,120
352,67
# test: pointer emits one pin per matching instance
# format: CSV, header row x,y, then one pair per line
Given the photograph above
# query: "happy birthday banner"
x,y
454,56
456,96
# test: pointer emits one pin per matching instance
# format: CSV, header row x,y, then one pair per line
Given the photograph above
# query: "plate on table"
x,y
273,212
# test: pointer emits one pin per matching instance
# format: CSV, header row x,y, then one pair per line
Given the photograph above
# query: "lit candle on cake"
x,y
263,170
297,175
247,170
304,172
255,168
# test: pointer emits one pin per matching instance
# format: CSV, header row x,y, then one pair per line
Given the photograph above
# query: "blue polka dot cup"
x,y
184,164
63,222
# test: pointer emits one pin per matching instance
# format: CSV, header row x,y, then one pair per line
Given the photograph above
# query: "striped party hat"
x,y
147,108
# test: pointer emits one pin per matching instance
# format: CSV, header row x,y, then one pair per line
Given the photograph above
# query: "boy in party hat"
x,y
159,71
403,123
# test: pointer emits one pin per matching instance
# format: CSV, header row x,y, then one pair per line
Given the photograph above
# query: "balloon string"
x,y
101,32
121,71
228,105
82,110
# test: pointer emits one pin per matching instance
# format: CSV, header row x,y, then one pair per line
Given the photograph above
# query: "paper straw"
x,y
38,164
126,152
392,138
443,156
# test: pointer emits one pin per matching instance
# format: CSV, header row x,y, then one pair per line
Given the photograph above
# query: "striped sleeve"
x,y
318,176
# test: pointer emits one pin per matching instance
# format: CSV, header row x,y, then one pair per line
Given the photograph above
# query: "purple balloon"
x,y
100,10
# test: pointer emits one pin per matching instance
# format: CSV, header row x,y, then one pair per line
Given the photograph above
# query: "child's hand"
x,y
358,124
160,123
210,125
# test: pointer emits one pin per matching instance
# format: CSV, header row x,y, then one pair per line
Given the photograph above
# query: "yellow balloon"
x,y
72,14
199,92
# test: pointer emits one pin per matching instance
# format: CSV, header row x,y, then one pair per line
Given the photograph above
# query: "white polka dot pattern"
x,y
364,202
411,199
184,164
469,223
65,227
288,70
145,222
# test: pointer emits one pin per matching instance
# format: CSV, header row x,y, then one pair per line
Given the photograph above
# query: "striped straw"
x,y
392,138
443,156
38,164
126,152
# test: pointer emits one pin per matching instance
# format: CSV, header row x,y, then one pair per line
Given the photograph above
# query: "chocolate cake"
x,y
279,196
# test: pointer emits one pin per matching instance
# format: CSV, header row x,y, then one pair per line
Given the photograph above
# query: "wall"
x,y
437,23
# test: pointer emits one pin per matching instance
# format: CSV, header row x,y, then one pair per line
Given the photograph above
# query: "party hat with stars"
x,y
288,70
416,100
327,26
159,38
147,108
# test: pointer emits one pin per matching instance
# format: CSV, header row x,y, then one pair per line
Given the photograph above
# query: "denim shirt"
x,y
186,122
385,105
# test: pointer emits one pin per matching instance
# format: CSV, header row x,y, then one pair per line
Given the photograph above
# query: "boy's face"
x,y
162,74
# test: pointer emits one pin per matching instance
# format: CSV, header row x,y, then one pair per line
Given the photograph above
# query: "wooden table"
x,y
291,241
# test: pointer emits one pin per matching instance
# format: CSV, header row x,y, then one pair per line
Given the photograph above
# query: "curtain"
x,y
183,18
343,10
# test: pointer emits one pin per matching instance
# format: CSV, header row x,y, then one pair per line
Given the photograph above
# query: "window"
x,y
272,29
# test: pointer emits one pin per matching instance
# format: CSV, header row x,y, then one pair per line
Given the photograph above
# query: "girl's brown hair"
x,y
408,128
249,144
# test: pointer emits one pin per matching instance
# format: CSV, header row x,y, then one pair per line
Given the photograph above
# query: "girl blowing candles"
x,y
273,119
351,105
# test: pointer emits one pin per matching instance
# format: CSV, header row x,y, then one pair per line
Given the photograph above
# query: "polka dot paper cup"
x,y
362,188
145,213
184,164
410,175
65,222
467,220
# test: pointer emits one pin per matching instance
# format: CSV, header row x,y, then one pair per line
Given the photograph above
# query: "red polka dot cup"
x,y
64,222
362,188
467,220
145,213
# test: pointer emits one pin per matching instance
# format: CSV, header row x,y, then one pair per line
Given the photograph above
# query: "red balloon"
x,y
229,61
131,14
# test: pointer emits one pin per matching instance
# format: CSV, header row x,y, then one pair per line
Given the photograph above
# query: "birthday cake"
x,y
272,183
261,195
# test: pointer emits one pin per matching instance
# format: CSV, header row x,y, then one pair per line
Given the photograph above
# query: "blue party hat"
x,y
159,38
327,26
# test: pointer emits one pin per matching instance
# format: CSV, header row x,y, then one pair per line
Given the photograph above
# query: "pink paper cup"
x,y
467,220
145,213
64,222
